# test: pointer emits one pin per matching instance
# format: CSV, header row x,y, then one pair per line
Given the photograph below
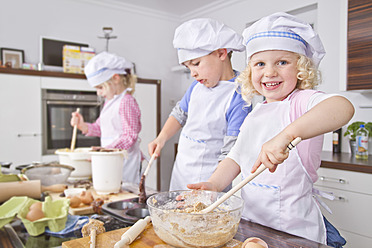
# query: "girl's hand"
x,y
76,119
272,153
203,186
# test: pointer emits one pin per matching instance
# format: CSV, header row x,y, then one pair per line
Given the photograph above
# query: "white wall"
x,y
146,39
143,38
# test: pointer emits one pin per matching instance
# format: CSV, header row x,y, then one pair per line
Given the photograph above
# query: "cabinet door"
x,y
355,240
351,212
359,45
20,132
345,180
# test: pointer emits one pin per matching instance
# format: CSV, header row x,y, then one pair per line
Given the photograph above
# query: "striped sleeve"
x,y
94,129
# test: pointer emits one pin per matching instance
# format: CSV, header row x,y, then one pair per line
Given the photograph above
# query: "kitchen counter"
x,y
345,161
274,238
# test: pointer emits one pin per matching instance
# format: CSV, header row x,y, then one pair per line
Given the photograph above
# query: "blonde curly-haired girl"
x,y
283,56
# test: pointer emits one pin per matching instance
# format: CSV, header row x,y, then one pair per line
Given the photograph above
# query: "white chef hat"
x,y
103,66
200,37
282,31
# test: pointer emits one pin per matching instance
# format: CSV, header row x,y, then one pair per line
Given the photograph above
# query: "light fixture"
x,y
107,35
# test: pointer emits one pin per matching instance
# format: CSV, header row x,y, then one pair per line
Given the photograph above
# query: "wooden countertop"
x,y
274,238
41,73
345,161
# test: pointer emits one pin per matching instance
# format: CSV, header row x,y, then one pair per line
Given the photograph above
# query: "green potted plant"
x,y
351,132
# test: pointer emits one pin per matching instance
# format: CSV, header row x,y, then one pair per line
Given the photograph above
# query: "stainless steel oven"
x,y
57,106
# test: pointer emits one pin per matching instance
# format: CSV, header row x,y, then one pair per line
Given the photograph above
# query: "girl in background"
x,y
119,123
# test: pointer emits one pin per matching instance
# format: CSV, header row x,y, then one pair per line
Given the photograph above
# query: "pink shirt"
x,y
130,116
310,149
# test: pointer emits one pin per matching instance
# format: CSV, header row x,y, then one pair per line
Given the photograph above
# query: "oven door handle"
x,y
73,103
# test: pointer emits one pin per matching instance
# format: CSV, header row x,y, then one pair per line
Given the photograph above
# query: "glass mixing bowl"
x,y
48,174
177,223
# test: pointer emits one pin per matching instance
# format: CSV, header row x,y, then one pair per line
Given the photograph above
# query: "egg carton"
x,y
55,212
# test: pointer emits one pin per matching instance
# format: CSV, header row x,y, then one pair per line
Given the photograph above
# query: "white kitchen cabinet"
x,y
352,206
20,132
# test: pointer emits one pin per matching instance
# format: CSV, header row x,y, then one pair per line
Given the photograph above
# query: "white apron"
x,y
282,200
202,136
111,128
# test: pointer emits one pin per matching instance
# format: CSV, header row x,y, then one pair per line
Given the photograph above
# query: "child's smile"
x,y
271,85
274,73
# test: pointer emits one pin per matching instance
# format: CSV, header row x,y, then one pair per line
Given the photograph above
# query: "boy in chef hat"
x,y
283,55
119,122
211,111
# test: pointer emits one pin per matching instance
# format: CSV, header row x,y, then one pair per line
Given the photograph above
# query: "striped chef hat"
x,y
282,31
103,66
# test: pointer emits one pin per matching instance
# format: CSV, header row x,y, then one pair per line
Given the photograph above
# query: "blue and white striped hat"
x,y
282,31
199,37
103,66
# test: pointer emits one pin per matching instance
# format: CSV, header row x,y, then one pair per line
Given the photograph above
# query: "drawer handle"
x,y
331,179
340,198
28,134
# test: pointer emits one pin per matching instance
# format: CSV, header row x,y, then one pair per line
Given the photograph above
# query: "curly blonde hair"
x,y
308,77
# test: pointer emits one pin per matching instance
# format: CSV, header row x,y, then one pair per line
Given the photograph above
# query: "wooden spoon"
x,y
152,159
142,195
56,188
245,181
74,132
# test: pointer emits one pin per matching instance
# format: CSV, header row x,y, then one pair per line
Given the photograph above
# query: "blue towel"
x,y
73,223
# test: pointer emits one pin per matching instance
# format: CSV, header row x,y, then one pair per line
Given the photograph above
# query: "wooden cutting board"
x,y
85,209
146,239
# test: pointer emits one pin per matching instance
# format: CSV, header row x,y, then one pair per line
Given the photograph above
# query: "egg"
x,y
75,202
36,205
254,243
86,197
35,214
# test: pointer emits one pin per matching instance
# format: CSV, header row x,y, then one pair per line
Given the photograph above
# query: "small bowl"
x,y
79,159
183,229
71,192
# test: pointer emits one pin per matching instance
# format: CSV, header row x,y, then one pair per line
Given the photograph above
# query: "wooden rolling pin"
x,y
129,236
32,188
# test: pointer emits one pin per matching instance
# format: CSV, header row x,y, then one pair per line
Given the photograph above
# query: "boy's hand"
x,y
155,146
202,186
